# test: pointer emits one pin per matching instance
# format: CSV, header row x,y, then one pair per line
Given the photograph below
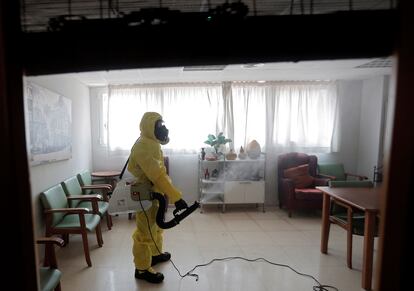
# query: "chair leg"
x,y
65,238
349,238
328,230
57,288
349,249
108,220
86,248
99,235
290,213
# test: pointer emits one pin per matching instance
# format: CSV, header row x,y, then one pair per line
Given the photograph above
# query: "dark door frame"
x,y
395,248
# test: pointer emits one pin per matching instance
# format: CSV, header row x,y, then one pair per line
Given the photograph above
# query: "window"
x,y
190,113
287,115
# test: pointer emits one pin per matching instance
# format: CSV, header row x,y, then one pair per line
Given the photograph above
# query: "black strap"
x,y
123,169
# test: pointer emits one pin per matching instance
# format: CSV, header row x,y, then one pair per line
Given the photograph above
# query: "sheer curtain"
x,y
249,108
285,115
190,112
304,115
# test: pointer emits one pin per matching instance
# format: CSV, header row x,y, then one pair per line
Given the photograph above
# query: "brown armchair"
x,y
297,178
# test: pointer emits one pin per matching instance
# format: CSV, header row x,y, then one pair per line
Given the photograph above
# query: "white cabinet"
x,y
244,192
231,182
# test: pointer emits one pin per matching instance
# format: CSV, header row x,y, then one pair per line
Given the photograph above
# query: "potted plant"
x,y
216,142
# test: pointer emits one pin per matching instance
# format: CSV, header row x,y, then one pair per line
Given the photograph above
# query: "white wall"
x,y
349,98
373,95
47,175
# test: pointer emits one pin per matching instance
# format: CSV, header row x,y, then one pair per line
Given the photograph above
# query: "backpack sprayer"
x,y
143,191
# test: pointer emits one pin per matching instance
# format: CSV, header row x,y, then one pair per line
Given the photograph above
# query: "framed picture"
x,y
49,125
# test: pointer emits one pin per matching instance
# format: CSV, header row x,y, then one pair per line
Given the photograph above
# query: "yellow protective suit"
x,y
146,162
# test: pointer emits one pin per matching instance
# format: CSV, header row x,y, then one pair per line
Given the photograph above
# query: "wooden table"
x,y
365,199
110,177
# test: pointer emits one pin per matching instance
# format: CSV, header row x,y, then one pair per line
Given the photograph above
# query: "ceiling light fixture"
x,y
204,68
252,65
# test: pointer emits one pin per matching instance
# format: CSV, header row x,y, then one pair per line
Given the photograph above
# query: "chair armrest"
x,y
360,177
342,204
67,210
50,255
288,183
93,198
321,181
51,240
288,188
107,187
104,188
89,197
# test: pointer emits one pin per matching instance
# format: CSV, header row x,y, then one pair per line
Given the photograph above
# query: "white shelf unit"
x,y
237,182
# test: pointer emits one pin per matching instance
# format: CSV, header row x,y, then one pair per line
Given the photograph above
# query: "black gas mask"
x,y
161,132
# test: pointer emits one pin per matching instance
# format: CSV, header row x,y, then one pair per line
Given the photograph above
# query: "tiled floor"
x,y
245,232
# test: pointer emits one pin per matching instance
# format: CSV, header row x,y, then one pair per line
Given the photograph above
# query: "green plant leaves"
x,y
217,141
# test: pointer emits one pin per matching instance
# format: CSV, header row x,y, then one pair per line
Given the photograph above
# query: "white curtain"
x,y
281,116
304,115
285,115
249,107
190,112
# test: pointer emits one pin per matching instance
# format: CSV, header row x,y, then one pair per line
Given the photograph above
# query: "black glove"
x,y
180,205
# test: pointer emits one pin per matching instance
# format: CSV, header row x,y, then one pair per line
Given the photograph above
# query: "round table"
x,y
110,177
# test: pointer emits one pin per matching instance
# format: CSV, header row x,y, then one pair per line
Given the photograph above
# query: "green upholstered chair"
x,y
72,188
85,180
49,274
348,218
337,172
64,220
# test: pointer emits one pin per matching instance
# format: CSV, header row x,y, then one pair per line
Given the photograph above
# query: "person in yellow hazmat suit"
x,y
146,163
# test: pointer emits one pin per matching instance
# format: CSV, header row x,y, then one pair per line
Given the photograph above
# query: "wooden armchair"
x,y
348,218
85,180
63,220
73,189
337,172
49,274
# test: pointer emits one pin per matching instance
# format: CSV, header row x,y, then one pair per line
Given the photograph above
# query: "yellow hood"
x,y
146,161
147,125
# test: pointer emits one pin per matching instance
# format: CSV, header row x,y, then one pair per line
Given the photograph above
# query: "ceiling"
x,y
307,70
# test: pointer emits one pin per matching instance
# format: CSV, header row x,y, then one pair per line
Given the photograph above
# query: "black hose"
x,y
161,212
177,217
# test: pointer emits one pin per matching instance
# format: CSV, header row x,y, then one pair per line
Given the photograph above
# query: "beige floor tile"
x,y
202,237
241,225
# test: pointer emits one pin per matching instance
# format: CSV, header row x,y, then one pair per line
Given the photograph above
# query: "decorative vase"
x,y
242,154
253,149
231,155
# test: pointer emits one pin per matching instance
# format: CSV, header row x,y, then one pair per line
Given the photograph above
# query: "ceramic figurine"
x,y
242,154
